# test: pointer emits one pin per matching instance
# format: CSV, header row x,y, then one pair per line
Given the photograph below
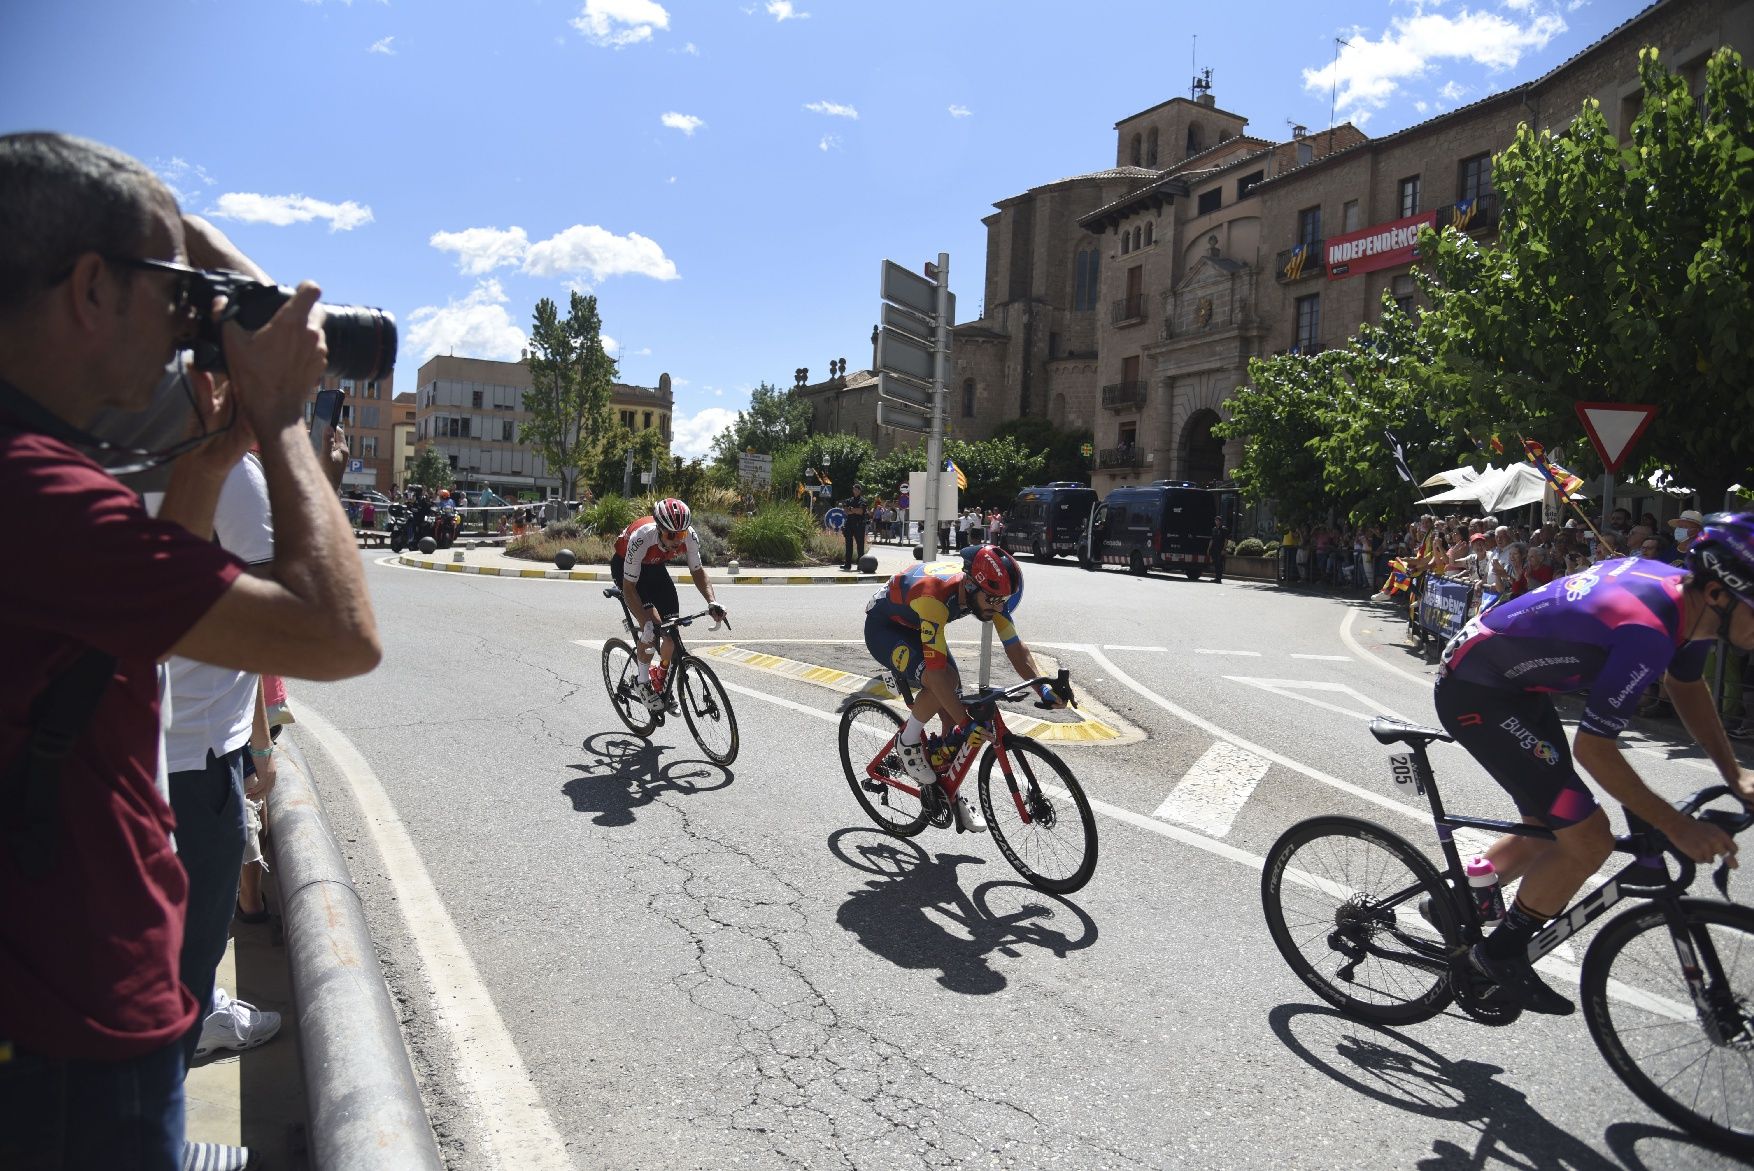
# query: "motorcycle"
x,y
407,530
445,527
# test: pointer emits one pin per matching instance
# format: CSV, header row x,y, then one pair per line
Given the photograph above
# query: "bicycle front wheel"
x,y
707,709
1342,899
622,673
1040,817
869,727
1684,1046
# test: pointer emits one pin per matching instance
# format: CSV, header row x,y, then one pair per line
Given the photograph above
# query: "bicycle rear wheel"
x,y
1055,848
707,709
622,673
1341,897
1691,1060
865,726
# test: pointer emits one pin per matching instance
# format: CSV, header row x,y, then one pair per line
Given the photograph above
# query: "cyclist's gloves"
x,y
716,611
1048,695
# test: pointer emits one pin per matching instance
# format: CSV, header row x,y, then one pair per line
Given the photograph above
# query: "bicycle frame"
x,y
990,731
670,627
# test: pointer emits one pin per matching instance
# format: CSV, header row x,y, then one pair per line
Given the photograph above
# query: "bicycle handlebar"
x,y
670,624
1061,683
1724,819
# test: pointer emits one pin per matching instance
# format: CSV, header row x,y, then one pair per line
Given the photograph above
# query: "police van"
x,y
1049,520
1166,524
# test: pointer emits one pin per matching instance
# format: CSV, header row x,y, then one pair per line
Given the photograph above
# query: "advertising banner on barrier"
x,y
1443,606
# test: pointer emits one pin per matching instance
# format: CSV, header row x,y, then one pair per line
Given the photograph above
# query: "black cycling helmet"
x,y
1724,552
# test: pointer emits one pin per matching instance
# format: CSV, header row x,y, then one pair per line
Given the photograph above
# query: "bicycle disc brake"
x,y
1479,997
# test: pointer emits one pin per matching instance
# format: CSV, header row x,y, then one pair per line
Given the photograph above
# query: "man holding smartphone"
x,y
95,300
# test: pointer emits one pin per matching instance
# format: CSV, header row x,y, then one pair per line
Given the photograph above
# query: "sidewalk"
x,y
493,562
254,1099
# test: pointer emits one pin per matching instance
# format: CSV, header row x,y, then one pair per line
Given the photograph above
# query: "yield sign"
x,y
1613,428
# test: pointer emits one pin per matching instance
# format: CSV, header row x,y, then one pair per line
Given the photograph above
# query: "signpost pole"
x,y
935,441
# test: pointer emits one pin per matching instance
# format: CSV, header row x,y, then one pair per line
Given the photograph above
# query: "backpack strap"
x,y
30,790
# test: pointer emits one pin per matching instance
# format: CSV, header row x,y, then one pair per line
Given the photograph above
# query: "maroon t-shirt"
x,y
88,952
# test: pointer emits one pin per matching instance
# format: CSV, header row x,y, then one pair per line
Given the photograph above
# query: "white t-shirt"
x,y
213,708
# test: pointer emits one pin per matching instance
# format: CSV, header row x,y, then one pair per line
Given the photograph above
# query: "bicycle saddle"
x,y
1389,731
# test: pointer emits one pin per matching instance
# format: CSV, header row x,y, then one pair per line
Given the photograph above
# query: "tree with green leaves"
x,y
1620,274
610,469
997,469
774,419
1064,449
571,377
431,470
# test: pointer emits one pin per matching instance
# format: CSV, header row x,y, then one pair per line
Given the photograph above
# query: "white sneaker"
x,y
968,813
913,759
235,1024
653,701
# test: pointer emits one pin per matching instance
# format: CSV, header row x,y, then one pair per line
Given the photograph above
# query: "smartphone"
x,y
325,415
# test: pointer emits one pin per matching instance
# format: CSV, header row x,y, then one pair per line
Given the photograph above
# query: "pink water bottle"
x,y
1483,885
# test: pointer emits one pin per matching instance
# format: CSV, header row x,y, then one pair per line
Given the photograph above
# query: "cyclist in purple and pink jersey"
x,y
1609,631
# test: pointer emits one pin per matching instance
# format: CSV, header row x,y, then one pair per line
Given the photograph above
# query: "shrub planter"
x,y
1256,568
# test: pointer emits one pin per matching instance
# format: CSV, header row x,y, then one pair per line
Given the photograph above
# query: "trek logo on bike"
x,y
1541,749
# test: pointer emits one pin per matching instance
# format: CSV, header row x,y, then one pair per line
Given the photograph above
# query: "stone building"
x,y
472,410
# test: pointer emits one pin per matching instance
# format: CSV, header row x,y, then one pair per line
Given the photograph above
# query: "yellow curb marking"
x,y
1087,730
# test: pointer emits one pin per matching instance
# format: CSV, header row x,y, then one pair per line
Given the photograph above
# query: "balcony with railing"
x,y
1301,262
1123,396
1127,455
1470,215
1128,310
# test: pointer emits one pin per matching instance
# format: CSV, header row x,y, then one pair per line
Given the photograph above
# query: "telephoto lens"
x,y
361,341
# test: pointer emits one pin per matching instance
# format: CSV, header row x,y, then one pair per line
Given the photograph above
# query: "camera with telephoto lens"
x,y
362,341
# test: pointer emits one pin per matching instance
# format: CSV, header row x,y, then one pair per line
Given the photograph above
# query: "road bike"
x,y
689,687
1371,926
1045,830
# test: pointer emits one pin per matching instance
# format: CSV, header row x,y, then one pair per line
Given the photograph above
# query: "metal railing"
x,y
1128,310
1128,455
1470,215
1300,262
1124,396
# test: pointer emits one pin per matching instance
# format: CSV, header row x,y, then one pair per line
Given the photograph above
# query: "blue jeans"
x,y
209,804
102,1115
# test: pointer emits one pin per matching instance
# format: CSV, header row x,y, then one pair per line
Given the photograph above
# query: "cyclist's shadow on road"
x,y
625,775
1394,1069
906,911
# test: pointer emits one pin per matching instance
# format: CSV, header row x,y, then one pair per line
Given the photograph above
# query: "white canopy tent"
x,y
1453,478
1496,489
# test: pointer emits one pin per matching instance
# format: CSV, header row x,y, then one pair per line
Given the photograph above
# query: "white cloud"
x,y
782,10
482,250
616,24
671,179
829,142
383,47
1452,91
687,123
692,436
832,109
588,249
478,326
281,210
1371,72
690,49
185,179
957,111
610,345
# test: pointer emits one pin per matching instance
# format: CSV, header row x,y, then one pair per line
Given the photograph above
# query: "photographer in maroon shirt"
x,y
93,306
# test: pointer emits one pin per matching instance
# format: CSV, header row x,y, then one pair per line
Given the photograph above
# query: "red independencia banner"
x,y
1381,246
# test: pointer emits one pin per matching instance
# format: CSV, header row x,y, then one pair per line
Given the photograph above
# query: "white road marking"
x,y
1298,689
1213,792
1325,658
1238,654
517,1130
1118,647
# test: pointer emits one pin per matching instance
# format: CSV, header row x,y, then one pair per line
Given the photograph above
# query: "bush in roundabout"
x,y
776,535
1251,547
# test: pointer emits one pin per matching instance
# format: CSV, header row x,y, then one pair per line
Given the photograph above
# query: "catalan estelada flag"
x,y
1496,444
961,480
1400,581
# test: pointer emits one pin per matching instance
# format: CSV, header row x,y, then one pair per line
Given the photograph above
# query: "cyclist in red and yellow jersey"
x,y
904,631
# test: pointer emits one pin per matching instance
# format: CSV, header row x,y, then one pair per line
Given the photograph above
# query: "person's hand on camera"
x,y
208,247
274,368
217,414
336,465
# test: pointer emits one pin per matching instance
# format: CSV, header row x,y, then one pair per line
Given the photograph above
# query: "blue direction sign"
x,y
834,518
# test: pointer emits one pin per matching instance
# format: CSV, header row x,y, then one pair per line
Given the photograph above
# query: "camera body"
x,y
361,341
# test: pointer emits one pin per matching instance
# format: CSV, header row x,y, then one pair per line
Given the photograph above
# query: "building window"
x,y
1193,140
475,399
1349,216
368,415
1475,177
1210,201
1246,184
627,419
1126,243
968,398
505,430
1309,225
1403,290
1053,346
1150,231
1151,147
368,446
646,425
1086,268
1309,324
1135,154
1409,196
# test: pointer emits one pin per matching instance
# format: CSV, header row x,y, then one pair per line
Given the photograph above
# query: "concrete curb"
x,y
365,1112
603,574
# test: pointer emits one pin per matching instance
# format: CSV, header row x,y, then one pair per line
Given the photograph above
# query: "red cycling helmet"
x,y
671,515
995,571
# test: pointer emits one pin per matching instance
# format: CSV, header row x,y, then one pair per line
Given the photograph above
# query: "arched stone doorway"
x,y
1202,453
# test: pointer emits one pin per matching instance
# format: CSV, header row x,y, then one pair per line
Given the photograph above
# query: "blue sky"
x,y
725,177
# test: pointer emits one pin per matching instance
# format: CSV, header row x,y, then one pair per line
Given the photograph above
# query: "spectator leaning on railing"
x,y
94,302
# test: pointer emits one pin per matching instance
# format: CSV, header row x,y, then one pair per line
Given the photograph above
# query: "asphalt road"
x,y
611,953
